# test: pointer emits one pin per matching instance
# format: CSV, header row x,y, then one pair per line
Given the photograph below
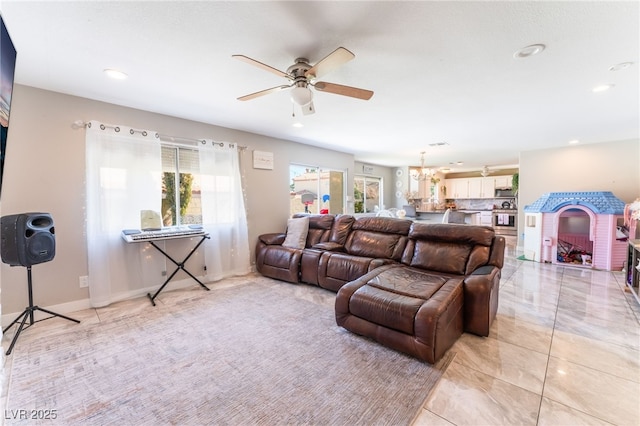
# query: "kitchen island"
x,y
471,217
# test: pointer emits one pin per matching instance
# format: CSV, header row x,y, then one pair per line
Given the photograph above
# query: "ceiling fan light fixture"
x,y
620,66
528,51
301,95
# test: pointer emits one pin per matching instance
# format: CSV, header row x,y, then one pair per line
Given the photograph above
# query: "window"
x,y
180,186
366,194
314,189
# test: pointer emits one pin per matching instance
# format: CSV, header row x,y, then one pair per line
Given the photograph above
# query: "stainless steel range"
x,y
505,221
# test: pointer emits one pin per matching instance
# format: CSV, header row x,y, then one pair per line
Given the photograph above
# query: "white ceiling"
x,y
441,71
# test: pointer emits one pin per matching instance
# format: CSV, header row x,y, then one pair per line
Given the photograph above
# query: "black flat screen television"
x,y
7,71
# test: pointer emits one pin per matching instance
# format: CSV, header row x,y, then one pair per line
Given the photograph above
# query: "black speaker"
x,y
27,239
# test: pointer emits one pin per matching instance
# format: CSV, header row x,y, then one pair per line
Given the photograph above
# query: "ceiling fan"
x,y
485,171
302,76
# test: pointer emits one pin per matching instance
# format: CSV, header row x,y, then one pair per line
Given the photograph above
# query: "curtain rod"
x,y
78,124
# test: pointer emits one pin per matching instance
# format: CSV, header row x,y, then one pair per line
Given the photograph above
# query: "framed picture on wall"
x,y
263,160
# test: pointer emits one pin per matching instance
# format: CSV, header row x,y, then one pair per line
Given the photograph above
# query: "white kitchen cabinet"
x,y
475,187
457,188
448,188
481,187
488,187
502,182
486,218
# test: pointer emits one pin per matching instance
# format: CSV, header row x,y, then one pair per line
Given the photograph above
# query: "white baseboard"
x,y
79,305
63,308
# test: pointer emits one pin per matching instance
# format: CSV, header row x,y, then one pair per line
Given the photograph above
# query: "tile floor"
x,y
564,350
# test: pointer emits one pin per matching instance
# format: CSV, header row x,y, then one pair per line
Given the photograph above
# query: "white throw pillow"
x,y
297,230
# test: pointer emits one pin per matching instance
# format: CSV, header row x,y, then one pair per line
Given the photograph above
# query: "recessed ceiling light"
x,y
528,51
112,73
620,66
297,124
574,142
603,88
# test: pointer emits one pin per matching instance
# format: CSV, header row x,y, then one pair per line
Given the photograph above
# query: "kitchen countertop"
x,y
443,211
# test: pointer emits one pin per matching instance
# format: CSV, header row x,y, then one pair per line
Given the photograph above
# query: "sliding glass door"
x,y
315,189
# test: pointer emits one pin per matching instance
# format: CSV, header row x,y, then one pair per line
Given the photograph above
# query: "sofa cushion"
x,y
341,228
378,237
439,256
371,244
393,297
448,248
319,227
407,309
297,229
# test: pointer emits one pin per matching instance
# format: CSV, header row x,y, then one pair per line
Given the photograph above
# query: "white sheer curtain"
x,y
223,211
123,177
123,172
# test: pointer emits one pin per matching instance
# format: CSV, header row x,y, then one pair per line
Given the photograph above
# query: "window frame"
x,y
321,169
380,204
176,148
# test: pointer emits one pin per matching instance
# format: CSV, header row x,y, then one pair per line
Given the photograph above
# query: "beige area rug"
x,y
251,351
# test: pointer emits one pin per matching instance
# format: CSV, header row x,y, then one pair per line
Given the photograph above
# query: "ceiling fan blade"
x,y
330,62
308,109
339,89
262,93
261,65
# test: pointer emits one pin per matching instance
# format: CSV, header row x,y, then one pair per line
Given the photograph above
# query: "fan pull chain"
x,y
293,111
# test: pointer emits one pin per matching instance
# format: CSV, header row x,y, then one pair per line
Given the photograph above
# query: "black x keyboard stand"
x,y
180,265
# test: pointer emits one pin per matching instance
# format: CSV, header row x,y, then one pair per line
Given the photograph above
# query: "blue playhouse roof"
x,y
600,202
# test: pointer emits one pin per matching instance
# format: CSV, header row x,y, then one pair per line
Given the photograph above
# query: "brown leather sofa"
x,y
446,282
410,286
371,242
283,263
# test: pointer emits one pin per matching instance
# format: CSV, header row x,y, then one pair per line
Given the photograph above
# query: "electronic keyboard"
x,y
168,233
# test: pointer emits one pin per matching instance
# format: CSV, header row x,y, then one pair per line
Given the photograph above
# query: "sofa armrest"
x,y
496,258
484,270
329,246
481,299
272,239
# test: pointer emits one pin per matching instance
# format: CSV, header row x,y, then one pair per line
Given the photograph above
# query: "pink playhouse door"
x,y
574,242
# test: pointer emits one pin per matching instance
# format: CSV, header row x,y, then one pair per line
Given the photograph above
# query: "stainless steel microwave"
x,y
504,193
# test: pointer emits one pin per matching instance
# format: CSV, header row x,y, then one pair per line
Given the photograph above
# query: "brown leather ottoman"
x,y
404,308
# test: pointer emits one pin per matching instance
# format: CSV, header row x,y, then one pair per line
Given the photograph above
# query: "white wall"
x,y
611,166
45,170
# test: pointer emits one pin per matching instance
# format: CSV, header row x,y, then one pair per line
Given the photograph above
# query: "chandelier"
x,y
423,173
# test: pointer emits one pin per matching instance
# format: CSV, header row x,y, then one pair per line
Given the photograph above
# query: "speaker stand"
x,y
28,312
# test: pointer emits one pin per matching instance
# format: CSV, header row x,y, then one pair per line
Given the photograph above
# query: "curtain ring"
x,y
102,127
131,131
117,129
144,133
